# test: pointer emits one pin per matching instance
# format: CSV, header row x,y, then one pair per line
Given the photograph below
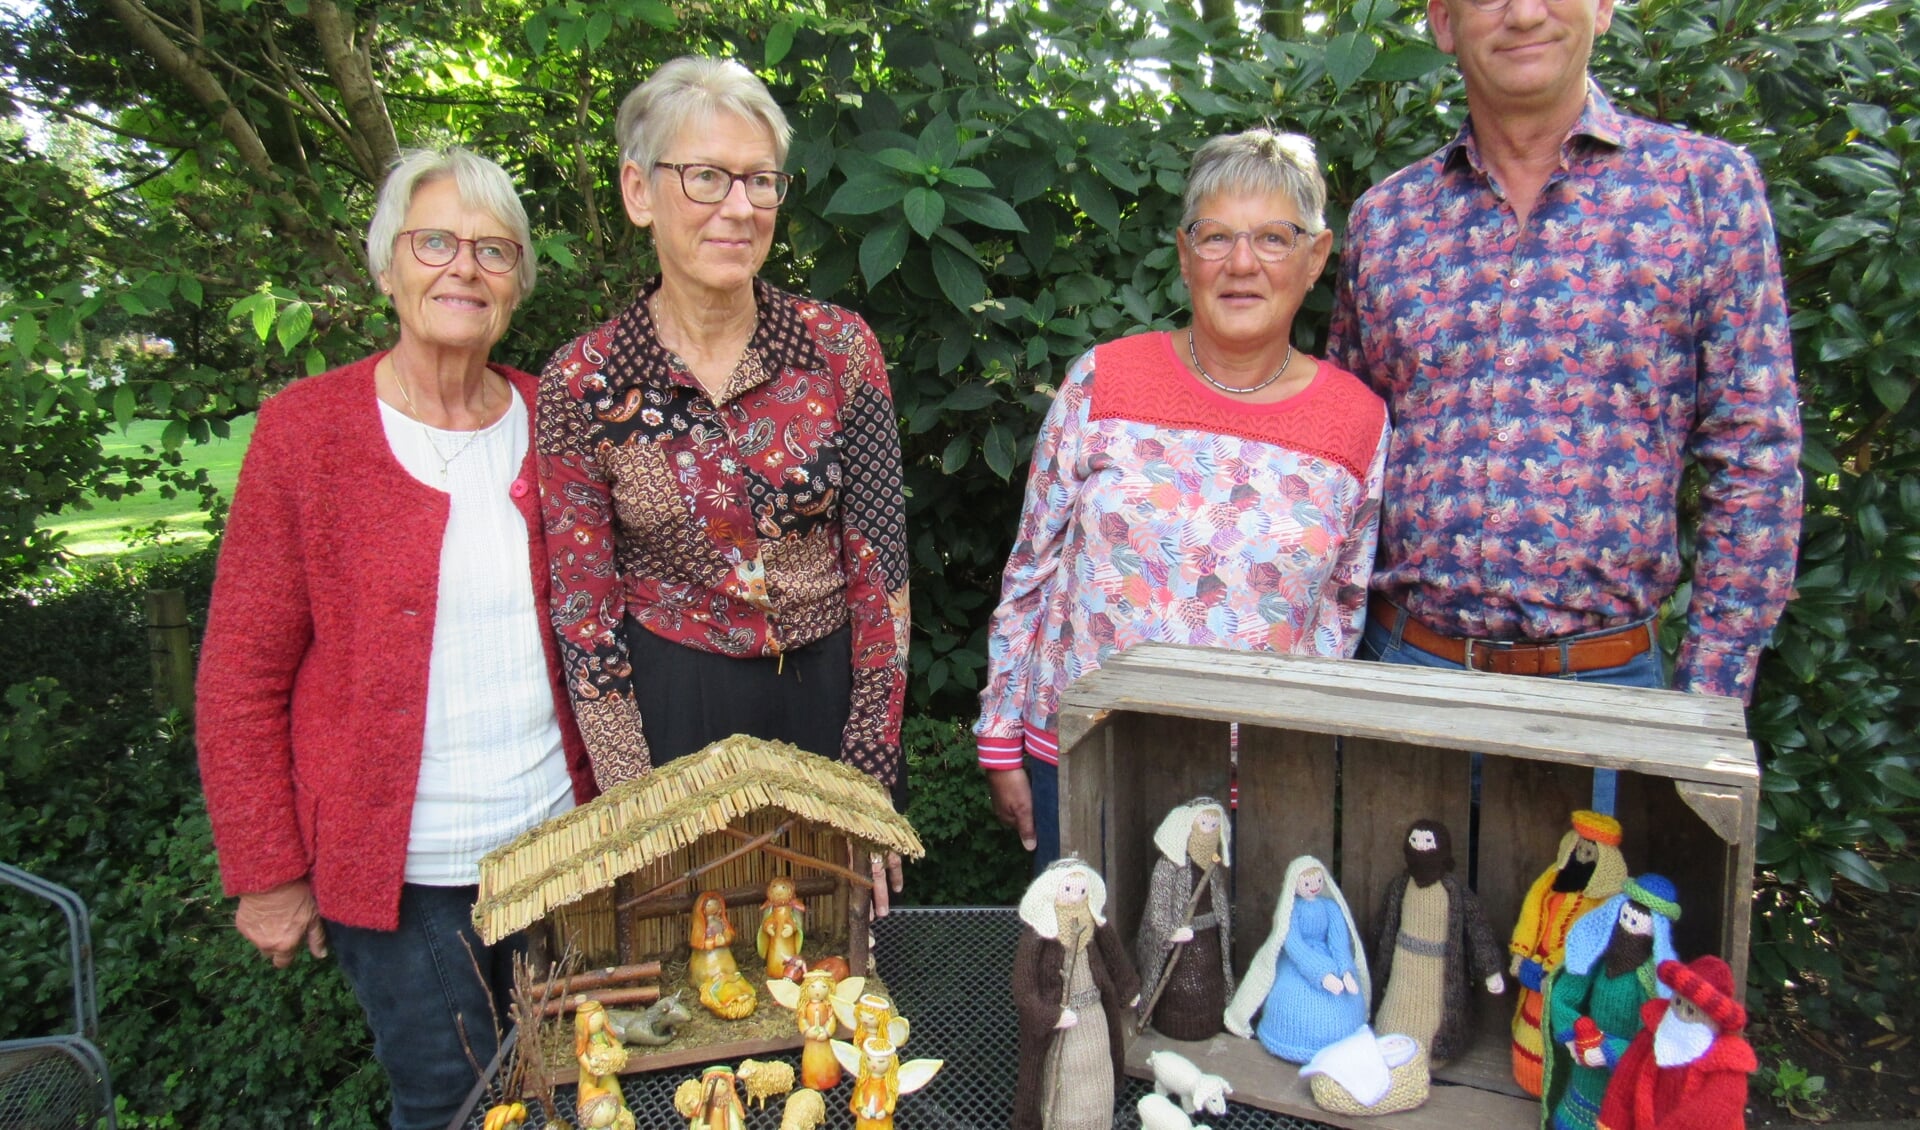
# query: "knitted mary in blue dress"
x,y
1308,983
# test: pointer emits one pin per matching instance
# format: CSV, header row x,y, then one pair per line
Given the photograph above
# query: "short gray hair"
x,y
483,187
1257,162
691,89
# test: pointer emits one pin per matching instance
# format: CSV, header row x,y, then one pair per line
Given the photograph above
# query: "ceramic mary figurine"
x,y
783,926
1072,987
1183,948
1308,983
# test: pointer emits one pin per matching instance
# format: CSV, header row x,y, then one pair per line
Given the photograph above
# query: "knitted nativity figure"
x,y
1072,987
1587,871
1308,982
1688,1067
1433,946
1188,946
1593,1001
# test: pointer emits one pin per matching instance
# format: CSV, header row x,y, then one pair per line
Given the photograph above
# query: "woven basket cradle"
x,y
1408,1089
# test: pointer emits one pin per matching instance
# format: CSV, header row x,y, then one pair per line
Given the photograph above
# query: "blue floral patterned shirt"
x,y
1549,380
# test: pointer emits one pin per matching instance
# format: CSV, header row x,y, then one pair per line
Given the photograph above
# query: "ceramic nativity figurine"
x,y
1688,1067
1308,983
601,1055
710,967
718,1106
1593,1000
783,922
880,1079
1433,946
1072,986
1587,871
812,1002
1183,951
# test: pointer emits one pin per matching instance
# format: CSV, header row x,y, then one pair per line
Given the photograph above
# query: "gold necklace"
x,y
1208,377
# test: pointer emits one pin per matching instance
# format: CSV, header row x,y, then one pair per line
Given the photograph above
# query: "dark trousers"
x,y
433,994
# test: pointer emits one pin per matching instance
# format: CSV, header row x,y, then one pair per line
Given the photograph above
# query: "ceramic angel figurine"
x,y
783,925
1587,871
870,1016
812,1002
601,1056
1072,986
880,1079
710,967
718,1106
1433,948
1184,951
1308,983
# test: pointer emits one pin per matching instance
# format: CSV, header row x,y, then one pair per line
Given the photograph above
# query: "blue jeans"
x,y
433,994
1044,780
1646,670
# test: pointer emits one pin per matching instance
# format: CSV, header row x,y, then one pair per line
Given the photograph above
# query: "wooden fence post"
x,y
170,646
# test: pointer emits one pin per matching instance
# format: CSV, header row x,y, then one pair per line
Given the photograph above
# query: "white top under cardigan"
x,y
491,763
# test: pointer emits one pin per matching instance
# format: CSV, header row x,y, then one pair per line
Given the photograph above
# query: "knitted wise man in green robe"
x,y
1593,1000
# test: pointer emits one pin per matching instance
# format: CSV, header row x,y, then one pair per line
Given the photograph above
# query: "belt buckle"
x,y
1484,645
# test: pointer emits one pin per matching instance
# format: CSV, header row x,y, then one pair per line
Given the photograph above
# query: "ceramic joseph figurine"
x,y
1308,983
1072,986
783,922
1183,951
710,966
601,1056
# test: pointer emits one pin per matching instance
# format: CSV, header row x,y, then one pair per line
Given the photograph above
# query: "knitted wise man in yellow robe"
x,y
1587,871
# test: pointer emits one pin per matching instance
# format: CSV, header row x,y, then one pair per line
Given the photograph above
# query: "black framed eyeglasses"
x,y
1271,242
709,184
436,247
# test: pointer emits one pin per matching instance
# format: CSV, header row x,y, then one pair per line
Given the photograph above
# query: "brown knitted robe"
x,y
1039,971
1470,950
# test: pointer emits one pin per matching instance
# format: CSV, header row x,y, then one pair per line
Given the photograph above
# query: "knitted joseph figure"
x,y
1193,955
1688,1067
1072,985
1593,1001
1587,871
1433,945
1308,982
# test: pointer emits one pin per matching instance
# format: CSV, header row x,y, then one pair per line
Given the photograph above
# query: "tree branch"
x,y
351,68
139,180
100,124
145,29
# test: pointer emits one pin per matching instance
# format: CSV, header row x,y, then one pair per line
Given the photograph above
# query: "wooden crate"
x,y
1338,757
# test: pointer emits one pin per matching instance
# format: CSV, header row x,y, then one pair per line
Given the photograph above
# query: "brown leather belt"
x,y
1518,657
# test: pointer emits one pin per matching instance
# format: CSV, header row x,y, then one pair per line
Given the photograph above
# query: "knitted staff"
x,y
1066,994
1166,971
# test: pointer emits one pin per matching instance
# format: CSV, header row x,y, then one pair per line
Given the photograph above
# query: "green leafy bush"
x,y
971,860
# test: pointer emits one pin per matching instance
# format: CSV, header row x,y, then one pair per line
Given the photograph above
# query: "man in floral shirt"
x,y
1563,307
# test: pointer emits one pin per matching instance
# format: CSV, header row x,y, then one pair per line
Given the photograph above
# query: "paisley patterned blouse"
x,y
747,527
1160,510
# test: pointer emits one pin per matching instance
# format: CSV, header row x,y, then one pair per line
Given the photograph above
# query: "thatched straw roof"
x,y
638,822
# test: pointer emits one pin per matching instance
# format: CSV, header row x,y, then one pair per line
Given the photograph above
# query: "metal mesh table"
x,y
948,970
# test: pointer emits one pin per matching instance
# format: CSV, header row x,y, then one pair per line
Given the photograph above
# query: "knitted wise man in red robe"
x,y
1688,1067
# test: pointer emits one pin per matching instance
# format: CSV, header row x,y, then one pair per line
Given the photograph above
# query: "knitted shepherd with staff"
x,y
1587,871
1184,949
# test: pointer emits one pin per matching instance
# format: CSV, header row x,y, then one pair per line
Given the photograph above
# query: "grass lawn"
x,y
146,523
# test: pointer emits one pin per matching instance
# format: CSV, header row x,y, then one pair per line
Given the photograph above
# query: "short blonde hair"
x,y
483,186
691,90
1256,162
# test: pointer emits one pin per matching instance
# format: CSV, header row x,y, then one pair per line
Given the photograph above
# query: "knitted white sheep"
x,y
1175,1074
1157,1112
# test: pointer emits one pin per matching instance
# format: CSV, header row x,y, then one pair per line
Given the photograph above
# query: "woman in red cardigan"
x,y
380,701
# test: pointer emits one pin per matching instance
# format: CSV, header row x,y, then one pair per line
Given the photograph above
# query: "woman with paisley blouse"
x,y
720,470
1209,486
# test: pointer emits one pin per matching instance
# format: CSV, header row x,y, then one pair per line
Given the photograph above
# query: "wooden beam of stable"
x,y
801,860
688,878
735,896
612,998
611,975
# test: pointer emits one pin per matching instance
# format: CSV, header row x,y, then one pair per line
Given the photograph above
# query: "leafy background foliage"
x,y
994,189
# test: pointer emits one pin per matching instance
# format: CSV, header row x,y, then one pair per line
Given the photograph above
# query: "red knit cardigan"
x,y
313,674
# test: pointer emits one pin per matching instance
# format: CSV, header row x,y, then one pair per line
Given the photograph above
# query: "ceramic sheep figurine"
x,y
1177,1075
805,1110
765,1079
1157,1112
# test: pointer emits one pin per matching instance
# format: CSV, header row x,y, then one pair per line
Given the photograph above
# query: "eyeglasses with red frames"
x,y
436,247
710,184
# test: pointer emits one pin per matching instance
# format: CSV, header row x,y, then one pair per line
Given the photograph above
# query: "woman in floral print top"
x,y
721,470
1209,486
